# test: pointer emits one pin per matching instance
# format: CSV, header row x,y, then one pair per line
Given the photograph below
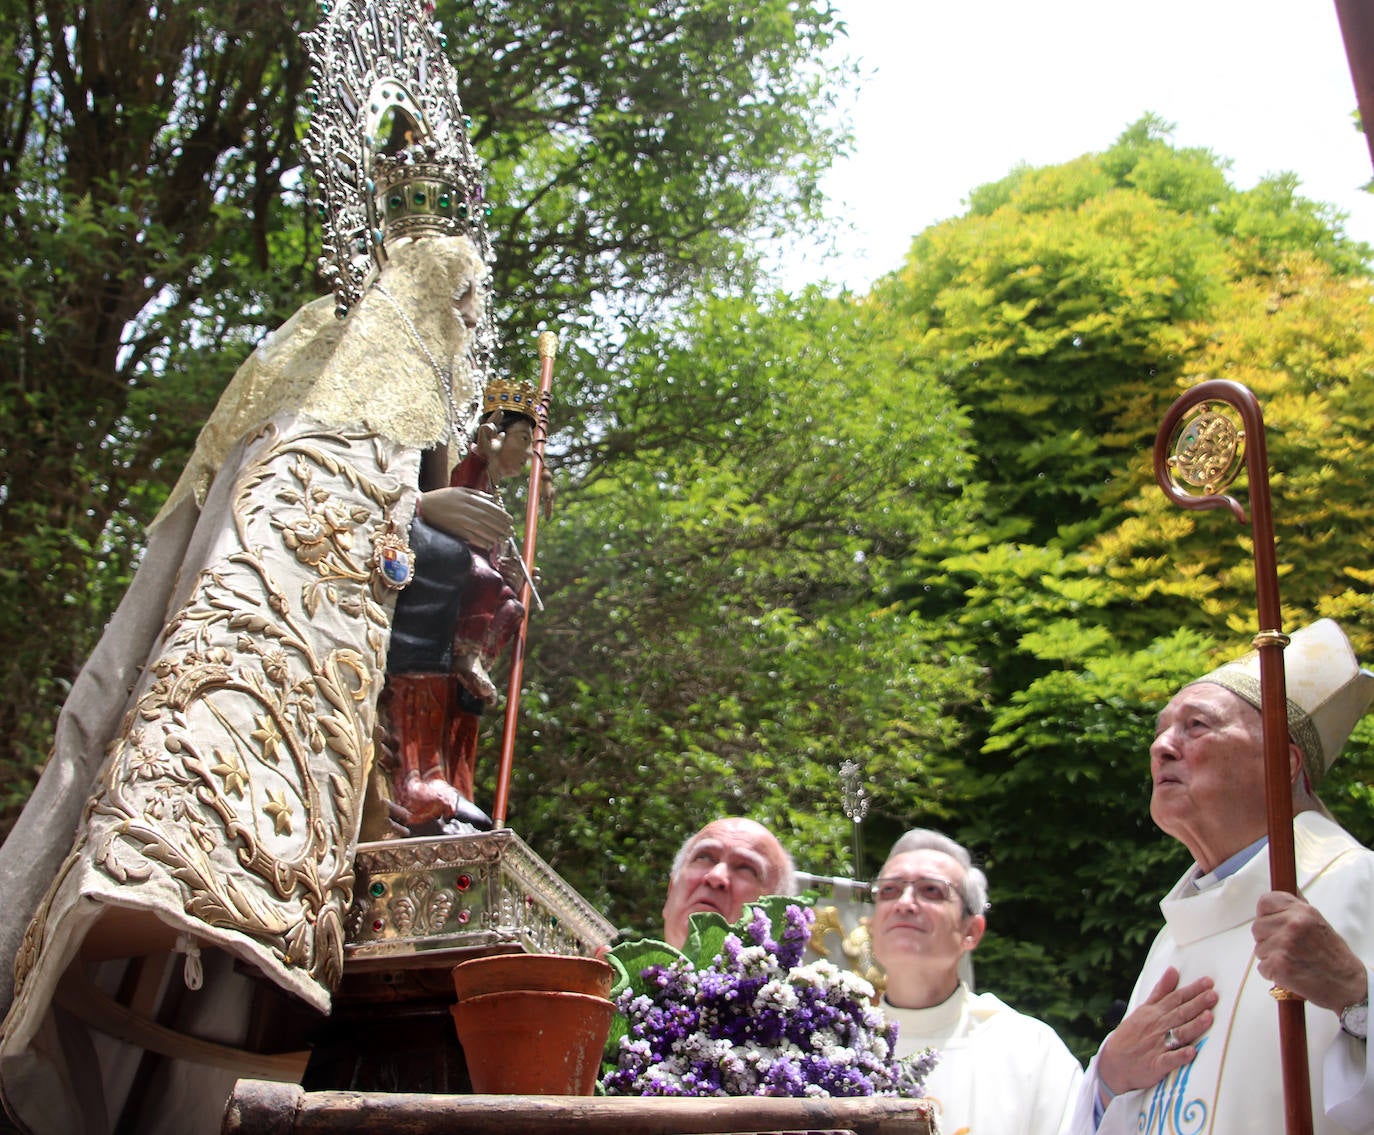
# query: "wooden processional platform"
x,y
388,1059
263,1108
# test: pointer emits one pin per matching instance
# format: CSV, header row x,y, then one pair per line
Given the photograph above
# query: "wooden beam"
x,y
261,1108
84,1000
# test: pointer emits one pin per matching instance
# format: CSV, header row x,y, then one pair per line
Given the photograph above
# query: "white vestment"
x,y
1235,1085
999,1071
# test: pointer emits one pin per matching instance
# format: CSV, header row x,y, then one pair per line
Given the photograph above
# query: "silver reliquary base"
x,y
466,894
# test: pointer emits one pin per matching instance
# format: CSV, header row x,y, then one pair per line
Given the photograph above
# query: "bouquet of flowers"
x,y
738,1014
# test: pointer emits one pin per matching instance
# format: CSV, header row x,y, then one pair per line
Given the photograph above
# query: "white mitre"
x,y
1327,689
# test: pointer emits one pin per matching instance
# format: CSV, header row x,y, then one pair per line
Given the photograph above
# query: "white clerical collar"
x,y
1230,865
934,1018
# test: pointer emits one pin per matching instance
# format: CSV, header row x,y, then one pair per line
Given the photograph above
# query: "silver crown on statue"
x,y
388,147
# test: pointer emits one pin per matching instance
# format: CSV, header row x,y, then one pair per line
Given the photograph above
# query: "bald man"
x,y
729,863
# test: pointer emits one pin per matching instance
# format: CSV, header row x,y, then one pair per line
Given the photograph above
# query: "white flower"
x,y
839,1054
823,1039
777,994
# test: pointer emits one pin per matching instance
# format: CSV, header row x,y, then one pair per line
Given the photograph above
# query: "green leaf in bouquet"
x,y
628,961
706,932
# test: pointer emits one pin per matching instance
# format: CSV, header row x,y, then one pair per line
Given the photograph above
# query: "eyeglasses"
x,y
926,890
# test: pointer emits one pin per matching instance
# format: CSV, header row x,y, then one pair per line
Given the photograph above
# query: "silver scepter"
x,y
854,800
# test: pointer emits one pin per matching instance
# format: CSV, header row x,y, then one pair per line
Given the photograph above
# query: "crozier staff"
x,y
1199,1048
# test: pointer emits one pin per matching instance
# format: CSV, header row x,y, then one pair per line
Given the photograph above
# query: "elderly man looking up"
x,y
1199,1048
729,863
1000,1072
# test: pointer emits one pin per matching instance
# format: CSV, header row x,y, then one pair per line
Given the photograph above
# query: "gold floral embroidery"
x,y
242,770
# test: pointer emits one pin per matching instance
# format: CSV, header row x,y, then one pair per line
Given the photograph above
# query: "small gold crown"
x,y
507,394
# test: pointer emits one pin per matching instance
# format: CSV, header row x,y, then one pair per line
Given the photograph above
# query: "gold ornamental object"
x,y
1207,449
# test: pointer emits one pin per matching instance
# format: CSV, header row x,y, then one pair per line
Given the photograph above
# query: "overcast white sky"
x,y
957,92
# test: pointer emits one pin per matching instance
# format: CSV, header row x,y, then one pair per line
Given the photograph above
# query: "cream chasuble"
x,y
999,1073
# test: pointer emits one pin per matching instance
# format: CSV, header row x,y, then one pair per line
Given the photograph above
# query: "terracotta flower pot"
x,y
555,973
533,1042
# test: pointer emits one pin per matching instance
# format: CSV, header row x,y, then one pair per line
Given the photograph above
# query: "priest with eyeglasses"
x,y
1000,1072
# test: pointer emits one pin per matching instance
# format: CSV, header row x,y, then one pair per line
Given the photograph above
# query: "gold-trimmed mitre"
x,y
1328,691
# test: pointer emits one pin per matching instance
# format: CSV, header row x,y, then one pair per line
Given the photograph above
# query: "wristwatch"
x,y
1355,1019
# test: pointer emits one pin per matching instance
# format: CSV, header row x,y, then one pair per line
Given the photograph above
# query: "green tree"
x,y
142,155
1065,312
1061,309
1298,338
750,582
721,634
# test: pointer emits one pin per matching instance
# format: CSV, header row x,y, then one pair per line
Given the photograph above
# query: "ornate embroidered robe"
x,y
216,747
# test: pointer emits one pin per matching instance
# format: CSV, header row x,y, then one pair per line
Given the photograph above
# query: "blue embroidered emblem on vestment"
x,y
1167,1110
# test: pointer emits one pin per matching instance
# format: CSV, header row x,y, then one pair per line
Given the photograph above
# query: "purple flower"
x,y
756,1021
795,935
761,929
